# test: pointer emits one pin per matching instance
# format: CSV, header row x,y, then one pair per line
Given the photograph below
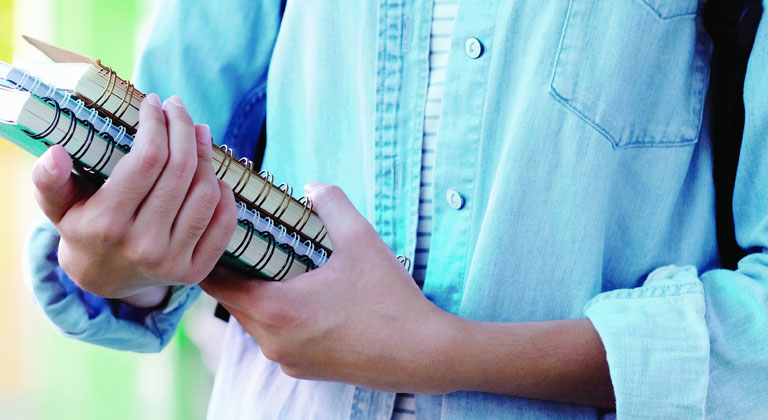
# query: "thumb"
x,y
343,222
55,187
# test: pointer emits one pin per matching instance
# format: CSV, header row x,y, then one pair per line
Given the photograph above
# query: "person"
x,y
562,213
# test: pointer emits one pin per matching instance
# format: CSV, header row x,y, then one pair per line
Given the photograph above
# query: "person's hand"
x,y
162,217
360,318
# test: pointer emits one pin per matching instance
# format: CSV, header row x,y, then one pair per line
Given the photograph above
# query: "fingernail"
x,y
204,134
176,101
312,186
49,163
153,100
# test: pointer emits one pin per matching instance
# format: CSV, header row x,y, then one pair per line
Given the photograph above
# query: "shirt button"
x,y
473,47
455,200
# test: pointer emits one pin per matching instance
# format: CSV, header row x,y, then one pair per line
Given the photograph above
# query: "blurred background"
x,y
43,375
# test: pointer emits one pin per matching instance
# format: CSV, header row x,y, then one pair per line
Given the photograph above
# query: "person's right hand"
x,y
162,218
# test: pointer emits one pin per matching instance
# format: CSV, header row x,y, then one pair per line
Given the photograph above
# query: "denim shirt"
x,y
573,178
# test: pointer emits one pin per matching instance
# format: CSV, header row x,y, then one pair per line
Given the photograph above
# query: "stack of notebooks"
x,y
86,108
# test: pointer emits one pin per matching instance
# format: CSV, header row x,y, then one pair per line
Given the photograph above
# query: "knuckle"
x,y
99,232
152,158
179,165
209,193
196,226
326,196
145,254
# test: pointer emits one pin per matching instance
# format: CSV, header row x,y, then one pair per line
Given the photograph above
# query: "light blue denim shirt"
x,y
573,178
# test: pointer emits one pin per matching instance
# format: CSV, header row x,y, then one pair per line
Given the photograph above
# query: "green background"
x,y
44,375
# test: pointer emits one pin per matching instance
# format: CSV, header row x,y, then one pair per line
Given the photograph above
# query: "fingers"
x,y
235,290
161,206
56,188
135,174
219,231
201,200
343,222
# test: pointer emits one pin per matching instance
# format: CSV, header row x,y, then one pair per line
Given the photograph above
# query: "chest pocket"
x,y
635,70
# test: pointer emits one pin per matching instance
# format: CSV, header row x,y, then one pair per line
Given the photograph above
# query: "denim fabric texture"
x,y
579,143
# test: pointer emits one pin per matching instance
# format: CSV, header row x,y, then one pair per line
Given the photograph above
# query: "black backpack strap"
x,y
732,24
221,313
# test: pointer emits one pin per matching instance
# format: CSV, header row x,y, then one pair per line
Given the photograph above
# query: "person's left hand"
x,y
360,318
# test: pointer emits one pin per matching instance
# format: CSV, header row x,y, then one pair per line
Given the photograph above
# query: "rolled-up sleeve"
x,y
79,314
689,345
657,344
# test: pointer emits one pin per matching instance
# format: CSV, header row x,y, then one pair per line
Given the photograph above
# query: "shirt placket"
x,y
458,150
392,36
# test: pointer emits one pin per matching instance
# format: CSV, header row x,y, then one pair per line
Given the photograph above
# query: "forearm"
x,y
347,322
553,360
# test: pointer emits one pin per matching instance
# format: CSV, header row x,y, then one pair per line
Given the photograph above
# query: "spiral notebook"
x,y
99,88
277,236
258,246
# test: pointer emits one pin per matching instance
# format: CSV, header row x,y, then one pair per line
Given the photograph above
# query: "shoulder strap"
x,y
732,25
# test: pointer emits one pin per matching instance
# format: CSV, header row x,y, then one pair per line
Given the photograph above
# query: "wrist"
x,y
149,297
443,367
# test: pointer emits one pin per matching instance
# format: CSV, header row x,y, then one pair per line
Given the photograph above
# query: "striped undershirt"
x,y
443,17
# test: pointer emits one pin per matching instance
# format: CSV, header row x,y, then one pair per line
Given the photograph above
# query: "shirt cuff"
x,y
79,314
657,345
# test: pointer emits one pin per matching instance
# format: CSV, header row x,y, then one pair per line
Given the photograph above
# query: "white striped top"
x,y
443,18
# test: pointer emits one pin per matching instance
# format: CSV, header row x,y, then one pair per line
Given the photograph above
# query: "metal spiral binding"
x,y
79,107
305,258
243,245
268,253
70,133
108,90
127,99
228,158
105,157
122,139
306,212
289,259
307,248
405,261
51,128
93,116
245,177
265,190
320,235
83,149
286,199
